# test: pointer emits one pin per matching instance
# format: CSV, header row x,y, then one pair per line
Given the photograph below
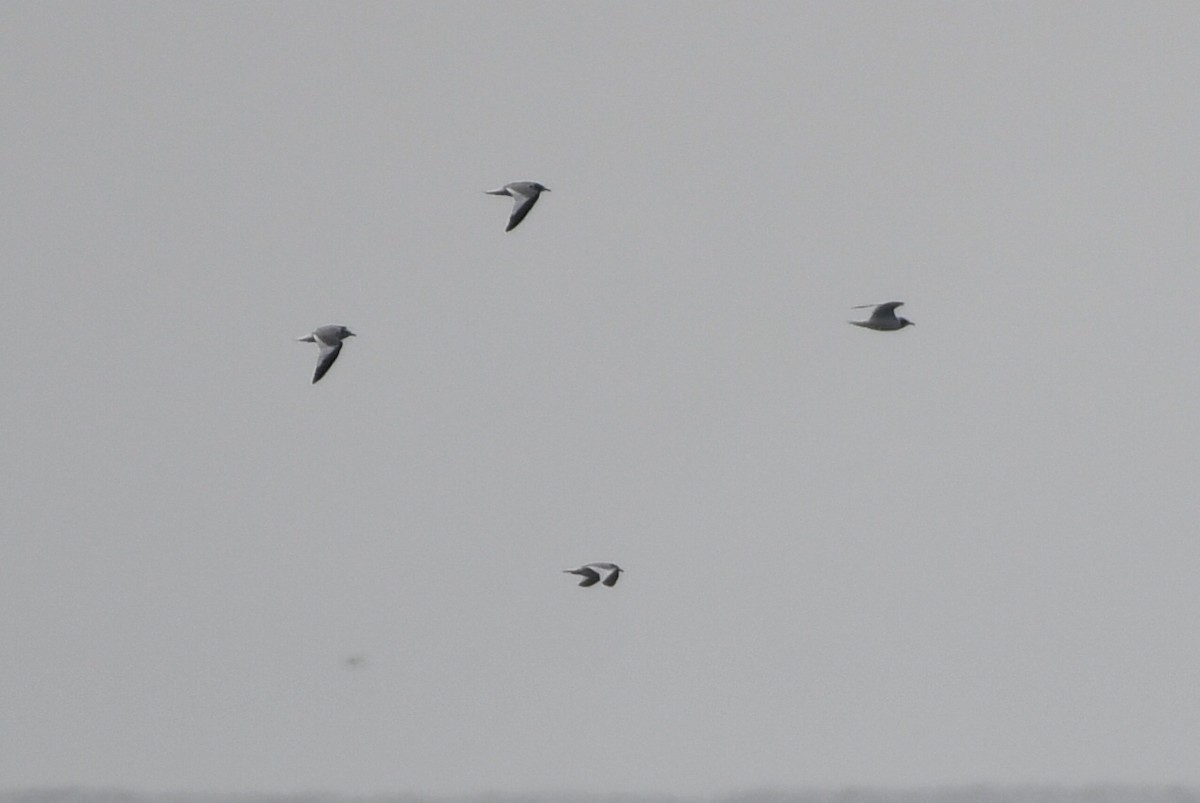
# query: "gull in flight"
x,y
329,338
884,317
591,576
524,195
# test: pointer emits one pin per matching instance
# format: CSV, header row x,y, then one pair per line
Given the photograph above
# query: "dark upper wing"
x,y
329,355
590,578
886,312
522,203
612,578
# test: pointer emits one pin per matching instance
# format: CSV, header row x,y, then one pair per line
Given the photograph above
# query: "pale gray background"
x,y
962,552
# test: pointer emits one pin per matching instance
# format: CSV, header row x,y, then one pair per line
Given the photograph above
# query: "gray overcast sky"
x,y
966,551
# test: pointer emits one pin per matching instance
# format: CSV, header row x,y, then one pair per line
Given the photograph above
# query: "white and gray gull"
x,y
524,195
329,338
591,576
884,318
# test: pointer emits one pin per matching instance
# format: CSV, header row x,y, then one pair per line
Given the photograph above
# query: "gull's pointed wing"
x,y
886,312
523,201
612,578
329,355
590,577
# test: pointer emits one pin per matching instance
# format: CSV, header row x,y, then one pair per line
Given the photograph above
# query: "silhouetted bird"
x,y
524,195
329,338
591,576
884,317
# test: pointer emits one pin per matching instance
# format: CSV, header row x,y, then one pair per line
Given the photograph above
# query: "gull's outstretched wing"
x,y
329,355
612,578
523,201
590,577
886,312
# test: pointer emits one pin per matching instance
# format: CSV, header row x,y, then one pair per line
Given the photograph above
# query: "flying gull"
x,y
524,195
591,576
329,338
884,317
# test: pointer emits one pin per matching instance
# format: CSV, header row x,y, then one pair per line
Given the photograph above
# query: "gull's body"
x,y
329,338
591,576
884,318
524,195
